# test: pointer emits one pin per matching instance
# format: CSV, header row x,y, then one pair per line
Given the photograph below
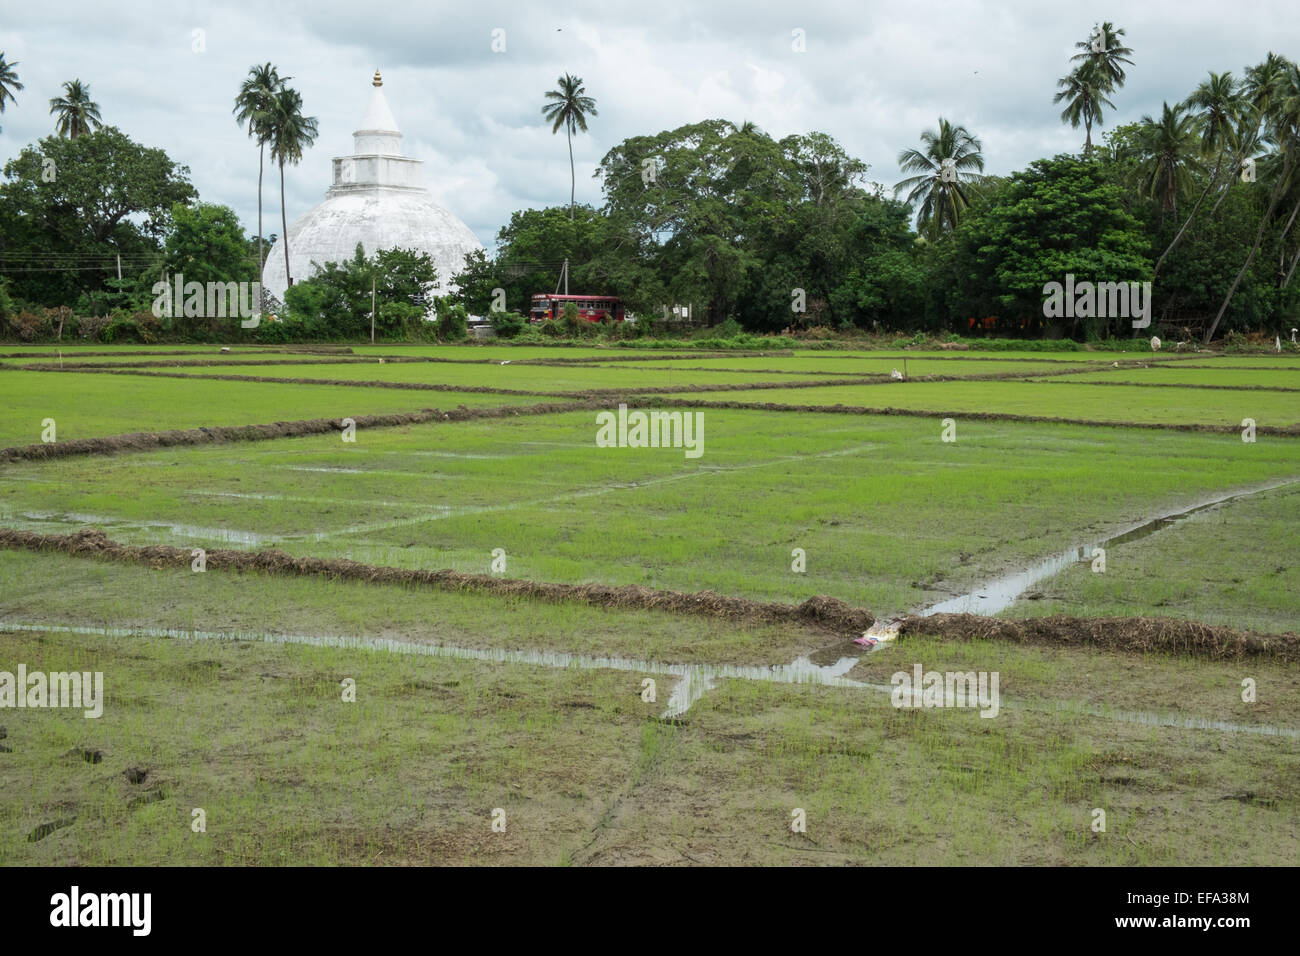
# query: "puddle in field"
x,y
694,680
255,496
1000,593
41,520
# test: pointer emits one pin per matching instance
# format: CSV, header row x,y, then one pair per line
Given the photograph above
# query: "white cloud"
x,y
874,75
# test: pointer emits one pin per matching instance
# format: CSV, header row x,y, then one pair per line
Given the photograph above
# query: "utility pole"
x,y
372,310
119,268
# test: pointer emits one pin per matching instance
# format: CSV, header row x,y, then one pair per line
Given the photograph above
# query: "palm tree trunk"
x,y
1259,238
1291,272
1236,163
568,132
1296,258
261,156
1192,215
284,235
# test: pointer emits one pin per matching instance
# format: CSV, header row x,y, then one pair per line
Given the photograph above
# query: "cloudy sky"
x,y
871,74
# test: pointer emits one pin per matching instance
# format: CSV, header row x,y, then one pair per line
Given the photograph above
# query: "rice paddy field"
x,y
431,605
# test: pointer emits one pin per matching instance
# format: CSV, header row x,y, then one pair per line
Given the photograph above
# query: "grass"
x,y
286,772
1048,399
121,595
1233,565
891,517
881,506
548,378
1173,374
88,406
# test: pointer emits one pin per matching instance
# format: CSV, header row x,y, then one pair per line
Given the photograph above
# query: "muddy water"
x,y
1000,593
693,680
41,521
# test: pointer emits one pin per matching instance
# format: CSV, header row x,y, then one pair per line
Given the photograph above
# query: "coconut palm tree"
x,y
1218,106
1105,50
1274,86
1167,151
943,199
290,134
569,108
253,109
8,82
1259,90
1265,83
75,110
1084,91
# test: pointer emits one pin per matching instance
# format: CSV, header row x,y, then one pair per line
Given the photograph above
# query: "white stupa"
x,y
378,199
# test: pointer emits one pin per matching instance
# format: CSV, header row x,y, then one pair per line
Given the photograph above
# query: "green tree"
x,y
693,201
569,107
110,197
1060,216
8,82
335,303
531,250
452,320
254,108
951,160
207,244
290,134
75,112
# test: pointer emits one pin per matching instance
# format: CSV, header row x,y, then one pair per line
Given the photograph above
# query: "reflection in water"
x,y
695,679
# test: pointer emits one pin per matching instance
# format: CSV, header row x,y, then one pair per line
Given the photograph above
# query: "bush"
x,y
726,330
1234,341
6,303
571,321
507,325
453,321
284,328
29,325
126,327
1022,345
402,321
90,326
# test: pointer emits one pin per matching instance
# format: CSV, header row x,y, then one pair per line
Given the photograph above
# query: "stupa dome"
x,y
378,199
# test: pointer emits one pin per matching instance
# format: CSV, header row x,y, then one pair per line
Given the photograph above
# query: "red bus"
x,y
593,308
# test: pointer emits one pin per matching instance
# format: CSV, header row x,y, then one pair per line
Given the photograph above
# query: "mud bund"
x,y
827,613
1145,634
